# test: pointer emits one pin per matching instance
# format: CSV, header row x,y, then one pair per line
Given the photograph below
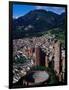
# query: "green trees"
x,y
53,78
20,59
39,68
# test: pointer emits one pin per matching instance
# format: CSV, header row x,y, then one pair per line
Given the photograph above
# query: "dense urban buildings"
x,y
42,51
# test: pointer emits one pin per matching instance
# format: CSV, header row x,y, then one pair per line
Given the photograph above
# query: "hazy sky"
x,y
19,10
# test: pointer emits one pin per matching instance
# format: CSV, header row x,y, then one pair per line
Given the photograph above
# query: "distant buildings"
x,y
45,52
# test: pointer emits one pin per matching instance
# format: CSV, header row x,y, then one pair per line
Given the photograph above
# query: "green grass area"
x,y
59,34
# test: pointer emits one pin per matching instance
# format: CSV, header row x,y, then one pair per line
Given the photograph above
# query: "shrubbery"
x,y
21,59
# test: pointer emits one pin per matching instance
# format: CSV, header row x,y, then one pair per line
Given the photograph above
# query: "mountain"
x,y
35,22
